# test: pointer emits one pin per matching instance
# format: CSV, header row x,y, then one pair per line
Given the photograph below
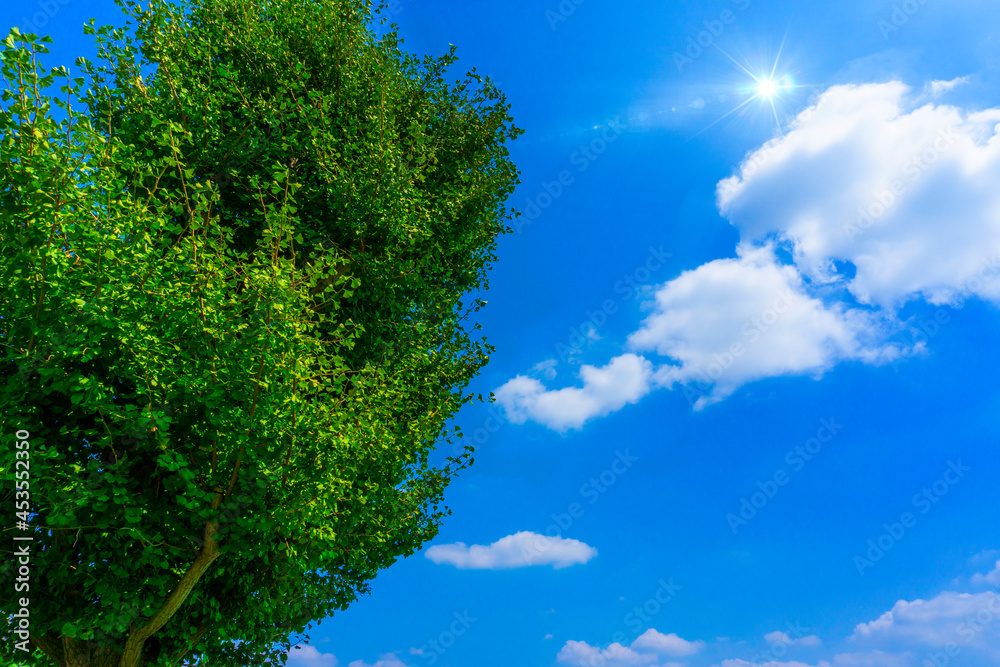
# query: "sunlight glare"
x,y
767,88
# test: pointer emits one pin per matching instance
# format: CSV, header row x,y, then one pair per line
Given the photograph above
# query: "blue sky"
x,y
745,356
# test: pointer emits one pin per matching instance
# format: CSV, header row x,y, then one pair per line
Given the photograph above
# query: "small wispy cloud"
x,y
939,88
387,660
991,578
523,549
780,637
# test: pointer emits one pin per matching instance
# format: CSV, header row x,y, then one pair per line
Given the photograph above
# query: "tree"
x,y
235,298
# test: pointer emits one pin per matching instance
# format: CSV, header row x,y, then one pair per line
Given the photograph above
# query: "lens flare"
x,y
766,91
767,88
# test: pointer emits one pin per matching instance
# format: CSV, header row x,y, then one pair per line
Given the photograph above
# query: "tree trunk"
x,y
69,652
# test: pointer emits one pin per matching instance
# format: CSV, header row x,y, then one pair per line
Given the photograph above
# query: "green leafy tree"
x,y
238,269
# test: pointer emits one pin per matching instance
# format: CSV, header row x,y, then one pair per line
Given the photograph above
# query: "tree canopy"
x,y
240,256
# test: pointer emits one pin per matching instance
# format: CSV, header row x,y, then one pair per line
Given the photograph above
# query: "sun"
x,y
767,88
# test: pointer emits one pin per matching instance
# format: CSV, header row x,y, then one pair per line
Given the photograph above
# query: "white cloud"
x,y
938,88
872,659
971,621
309,656
625,379
779,637
909,633
772,663
651,643
908,197
867,659
546,368
521,549
387,660
616,655
670,645
733,321
879,201
904,636
992,577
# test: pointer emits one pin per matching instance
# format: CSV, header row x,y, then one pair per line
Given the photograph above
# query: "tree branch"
x,y
208,553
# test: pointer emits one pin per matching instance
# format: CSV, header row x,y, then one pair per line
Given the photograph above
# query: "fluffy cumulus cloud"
x,y
670,645
733,321
772,663
906,197
626,379
866,659
309,656
969,621
880,196
521,549
873,659
615,655
648,649
948,629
